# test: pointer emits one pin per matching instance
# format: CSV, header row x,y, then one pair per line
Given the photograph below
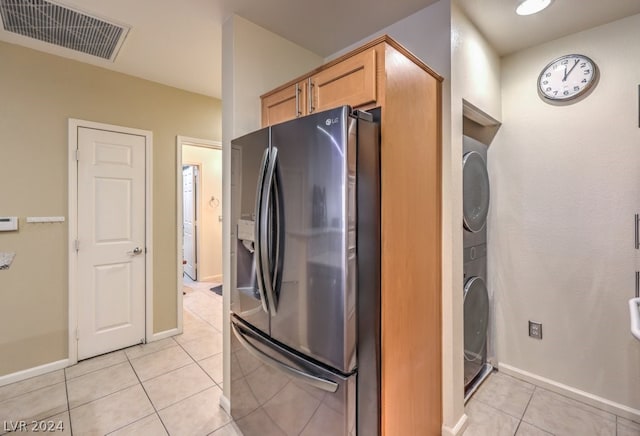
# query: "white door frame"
x,y
74,124
180,141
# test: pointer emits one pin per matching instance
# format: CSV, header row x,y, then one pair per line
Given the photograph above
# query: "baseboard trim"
x,y
573,393
32,372
165,334
457,429
225,404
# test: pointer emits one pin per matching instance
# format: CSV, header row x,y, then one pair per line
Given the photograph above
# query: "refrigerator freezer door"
x,y
248,167
316,302
286,401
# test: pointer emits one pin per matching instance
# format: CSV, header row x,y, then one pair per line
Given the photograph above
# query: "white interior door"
x,y
189,221
217,210
111,241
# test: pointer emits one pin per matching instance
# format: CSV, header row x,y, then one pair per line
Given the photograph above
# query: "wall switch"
x,y
535,330
8,223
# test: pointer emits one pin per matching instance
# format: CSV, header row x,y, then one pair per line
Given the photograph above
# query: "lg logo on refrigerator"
x,y
330,121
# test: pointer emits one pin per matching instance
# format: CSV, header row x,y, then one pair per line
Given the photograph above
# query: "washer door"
x,y
475,180
476,319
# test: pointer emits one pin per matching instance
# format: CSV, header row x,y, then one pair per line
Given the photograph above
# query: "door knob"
x,y
135,251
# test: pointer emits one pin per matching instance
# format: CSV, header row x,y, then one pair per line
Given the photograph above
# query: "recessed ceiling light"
x,y
529,7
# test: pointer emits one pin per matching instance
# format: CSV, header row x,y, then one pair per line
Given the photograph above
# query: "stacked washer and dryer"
x,y
476,297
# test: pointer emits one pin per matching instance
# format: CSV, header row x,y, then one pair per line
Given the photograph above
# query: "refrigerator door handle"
x,y
265,233
318,382
257,237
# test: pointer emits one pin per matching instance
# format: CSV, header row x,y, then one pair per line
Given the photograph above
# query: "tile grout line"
x,y
194,359
535,388
66,390
95,370
204,370
46,417
215,384
151,352
33,390
584,405
195,314
132,422
149,398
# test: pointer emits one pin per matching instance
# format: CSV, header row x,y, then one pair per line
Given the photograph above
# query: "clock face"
x,y
567,78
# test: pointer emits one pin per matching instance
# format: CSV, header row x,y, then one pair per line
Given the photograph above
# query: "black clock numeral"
x,y
584,81
547,75
566,93
587,71
548,89
576,88
546,82
565,62
555,92
582,65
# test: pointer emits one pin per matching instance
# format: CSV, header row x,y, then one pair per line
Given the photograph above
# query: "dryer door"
x,y
475,191
476,320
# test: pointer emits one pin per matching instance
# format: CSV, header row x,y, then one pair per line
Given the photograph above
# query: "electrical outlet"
x,y
535,330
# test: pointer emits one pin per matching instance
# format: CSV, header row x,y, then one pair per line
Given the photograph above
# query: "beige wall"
x,y
565,185
254,61
209,233
39,93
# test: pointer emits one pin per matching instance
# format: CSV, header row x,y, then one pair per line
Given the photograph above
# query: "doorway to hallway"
x,y
199,202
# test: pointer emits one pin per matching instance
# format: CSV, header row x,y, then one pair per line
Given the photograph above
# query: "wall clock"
x,y
567,78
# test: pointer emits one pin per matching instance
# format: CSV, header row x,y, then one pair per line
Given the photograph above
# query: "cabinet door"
x,y
283,105
352,82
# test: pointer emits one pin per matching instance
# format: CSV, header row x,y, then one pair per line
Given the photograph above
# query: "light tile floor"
x,y
169,387
504,405
173,387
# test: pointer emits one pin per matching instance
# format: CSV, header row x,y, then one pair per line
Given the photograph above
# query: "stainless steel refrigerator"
x,y
305,286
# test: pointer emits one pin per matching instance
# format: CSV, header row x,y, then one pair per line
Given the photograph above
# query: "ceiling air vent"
x,y
61,26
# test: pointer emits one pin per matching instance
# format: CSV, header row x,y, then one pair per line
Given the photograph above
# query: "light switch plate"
x,y
8,223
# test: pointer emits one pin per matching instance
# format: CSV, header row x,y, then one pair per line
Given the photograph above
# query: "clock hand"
x,y
569,72
565,74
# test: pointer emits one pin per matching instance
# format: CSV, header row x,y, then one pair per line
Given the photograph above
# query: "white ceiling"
x,y
508,32
178,43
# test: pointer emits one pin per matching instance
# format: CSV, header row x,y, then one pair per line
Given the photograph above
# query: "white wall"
x,y
209,234
254,61
565,185
424,33
475,77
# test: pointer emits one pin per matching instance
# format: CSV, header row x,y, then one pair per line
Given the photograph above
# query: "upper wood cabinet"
x,y
351,82
384,74
284,104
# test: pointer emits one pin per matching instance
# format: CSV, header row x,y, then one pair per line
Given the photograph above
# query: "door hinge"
x,y
76,244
